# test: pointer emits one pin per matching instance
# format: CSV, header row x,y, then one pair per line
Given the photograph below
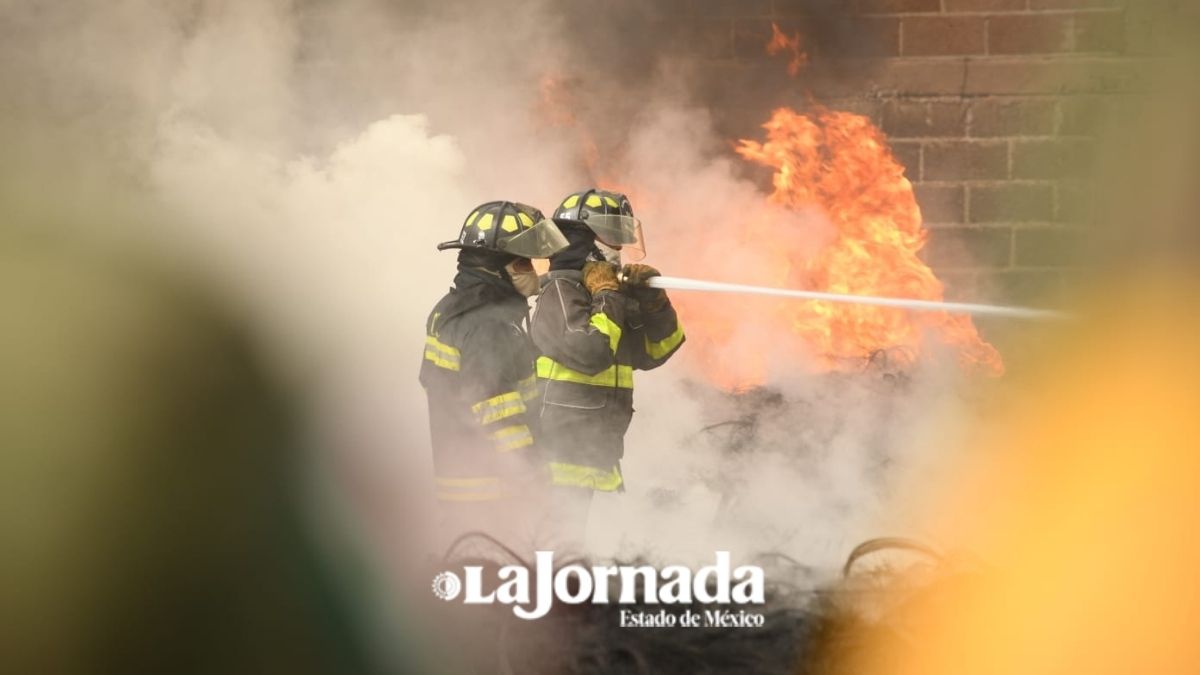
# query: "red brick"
x,y
969,247
1023,287
940,203
965,160
960,285
1042,75
898,6
1029,34
867,107
914,119
1073,4
909,155
1048,246
874,37
1052,159
1013,117
1100,32
750,38
734,8
943,36
985,5
710,39
1011,203
901,77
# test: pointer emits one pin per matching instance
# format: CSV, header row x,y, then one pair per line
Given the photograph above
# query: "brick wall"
x,y
992,105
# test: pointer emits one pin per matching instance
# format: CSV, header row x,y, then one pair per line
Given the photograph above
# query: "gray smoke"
x,y
304,157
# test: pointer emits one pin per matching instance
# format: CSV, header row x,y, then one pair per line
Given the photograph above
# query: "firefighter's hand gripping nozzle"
x,y
635,280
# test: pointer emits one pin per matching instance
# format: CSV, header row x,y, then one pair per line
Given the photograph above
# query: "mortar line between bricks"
x,y
987,182
943,227
1047,226
1038,58
986,13
981,139
951,98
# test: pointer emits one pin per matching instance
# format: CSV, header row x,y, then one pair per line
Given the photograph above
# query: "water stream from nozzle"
x,y
975,309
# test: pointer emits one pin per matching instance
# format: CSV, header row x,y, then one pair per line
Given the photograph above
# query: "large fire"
x,y
840,163
835,167
832,169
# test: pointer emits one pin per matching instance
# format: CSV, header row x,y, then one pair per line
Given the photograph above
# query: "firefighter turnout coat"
x,y
589,348
478,375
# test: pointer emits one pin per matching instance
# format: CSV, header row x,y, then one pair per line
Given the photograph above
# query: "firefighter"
x,y
478,371
594,324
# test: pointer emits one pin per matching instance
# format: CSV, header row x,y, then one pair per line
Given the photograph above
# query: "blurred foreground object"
x,y
1085,508
150,508
1084,498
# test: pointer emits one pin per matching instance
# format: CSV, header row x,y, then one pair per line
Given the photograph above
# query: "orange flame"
x,y
782,43
836,168
840,163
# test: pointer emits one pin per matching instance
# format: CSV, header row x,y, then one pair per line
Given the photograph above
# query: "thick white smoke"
x,y
306,158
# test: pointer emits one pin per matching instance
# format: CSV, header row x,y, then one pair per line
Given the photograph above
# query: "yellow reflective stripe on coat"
x,y
606,325
662,348
499,407
613,376
512,437
441,354
576,475
483,489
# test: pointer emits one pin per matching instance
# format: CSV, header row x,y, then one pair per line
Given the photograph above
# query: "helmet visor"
x,y
614,230
542,240
619,232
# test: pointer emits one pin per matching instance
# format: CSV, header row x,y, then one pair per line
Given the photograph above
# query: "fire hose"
x,y
680,284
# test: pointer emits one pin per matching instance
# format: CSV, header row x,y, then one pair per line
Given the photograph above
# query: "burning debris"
x,y
840,163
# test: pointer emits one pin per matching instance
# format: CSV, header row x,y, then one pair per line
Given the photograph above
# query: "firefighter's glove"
x,y
600,276
635,278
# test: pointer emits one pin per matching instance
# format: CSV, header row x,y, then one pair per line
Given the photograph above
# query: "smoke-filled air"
x,y
304,158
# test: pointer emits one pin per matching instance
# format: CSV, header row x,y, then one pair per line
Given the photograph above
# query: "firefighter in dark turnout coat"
x,y
593,329
478,368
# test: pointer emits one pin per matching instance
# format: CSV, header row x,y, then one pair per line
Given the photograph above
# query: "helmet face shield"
x,y
620,232
542,240
637,250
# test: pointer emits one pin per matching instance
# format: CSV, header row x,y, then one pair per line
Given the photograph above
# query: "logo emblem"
x,y
447,586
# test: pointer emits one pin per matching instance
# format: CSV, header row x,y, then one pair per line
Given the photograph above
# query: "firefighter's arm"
x,y
657,334
654,326
500,383
575,329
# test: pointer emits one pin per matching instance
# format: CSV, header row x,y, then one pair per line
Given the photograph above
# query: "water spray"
x,y
681,284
